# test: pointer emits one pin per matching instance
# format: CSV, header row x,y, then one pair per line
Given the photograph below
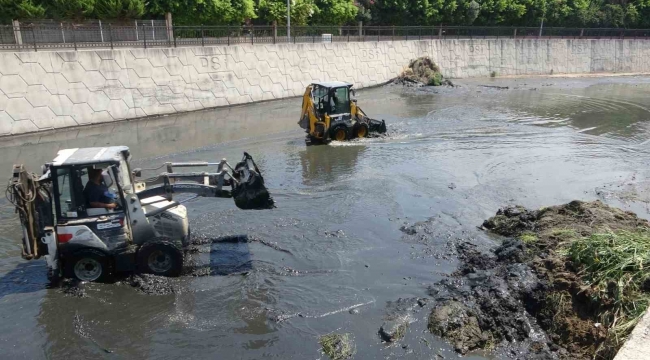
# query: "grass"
x,y
563,235
337,346
528,237
435,79
616,265
558,303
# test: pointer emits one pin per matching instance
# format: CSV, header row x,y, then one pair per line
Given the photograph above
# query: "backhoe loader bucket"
x,y
377,126
249,192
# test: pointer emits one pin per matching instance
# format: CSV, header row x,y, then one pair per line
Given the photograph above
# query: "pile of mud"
x,y
422,72
528,298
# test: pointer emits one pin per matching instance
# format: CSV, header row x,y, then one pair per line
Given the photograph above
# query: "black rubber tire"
x,y
361,130
88,265
337,129
160,258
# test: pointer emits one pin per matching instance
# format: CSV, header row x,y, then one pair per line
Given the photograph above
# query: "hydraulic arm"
x,y
245,183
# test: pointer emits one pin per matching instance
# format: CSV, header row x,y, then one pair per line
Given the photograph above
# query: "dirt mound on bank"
x,y
422,72
568,284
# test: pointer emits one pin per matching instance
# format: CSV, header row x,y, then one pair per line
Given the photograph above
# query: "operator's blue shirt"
x,y
98,193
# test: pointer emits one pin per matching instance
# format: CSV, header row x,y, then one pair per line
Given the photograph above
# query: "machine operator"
x,y
97,194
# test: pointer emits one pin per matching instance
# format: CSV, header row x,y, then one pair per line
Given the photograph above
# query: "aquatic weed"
x,y
337,346
615,265
528,237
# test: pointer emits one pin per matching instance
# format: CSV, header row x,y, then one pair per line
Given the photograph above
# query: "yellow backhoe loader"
x,y
329,113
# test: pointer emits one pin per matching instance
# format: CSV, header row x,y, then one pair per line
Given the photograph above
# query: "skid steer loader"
x,y
329,113
145,230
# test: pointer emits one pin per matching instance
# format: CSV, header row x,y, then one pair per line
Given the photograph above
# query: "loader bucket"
x,y
250,193
377,126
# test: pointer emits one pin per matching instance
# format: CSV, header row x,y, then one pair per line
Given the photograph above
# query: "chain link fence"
x,y
156,33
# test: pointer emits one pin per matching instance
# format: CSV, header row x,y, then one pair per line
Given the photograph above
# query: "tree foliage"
x,y
567,13
276,10
119,9
205,12
334,12
20,9
70,9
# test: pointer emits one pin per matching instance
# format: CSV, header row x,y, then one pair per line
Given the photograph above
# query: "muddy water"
x,y
339,261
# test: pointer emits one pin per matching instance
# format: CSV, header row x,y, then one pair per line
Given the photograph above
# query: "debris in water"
x,y
337,233
394,330
422,72
152,284
337,346
457,323
73,287
495,87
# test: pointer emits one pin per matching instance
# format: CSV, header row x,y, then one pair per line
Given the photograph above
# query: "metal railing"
x,y
148,35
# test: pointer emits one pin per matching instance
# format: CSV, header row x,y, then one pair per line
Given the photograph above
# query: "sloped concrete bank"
x,y
53,90
637,346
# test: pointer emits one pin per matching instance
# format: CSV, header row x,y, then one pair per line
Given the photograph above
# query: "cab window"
x,y
340,101
65,193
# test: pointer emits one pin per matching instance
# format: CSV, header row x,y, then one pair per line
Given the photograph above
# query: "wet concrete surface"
x,y
338,261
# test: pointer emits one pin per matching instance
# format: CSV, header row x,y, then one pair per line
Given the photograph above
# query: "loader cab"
x,y
333,99
78,223
71,183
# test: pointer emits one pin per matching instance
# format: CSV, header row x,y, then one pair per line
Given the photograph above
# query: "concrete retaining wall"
x,y
51,90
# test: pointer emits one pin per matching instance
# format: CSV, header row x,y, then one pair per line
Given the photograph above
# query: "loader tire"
x,y
160,258
340,133
361,131
88,265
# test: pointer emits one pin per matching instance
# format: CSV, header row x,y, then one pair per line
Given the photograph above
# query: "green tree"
x,y
207,12
406,12
473,9
364,13
502,12
119,9
276,10
334,12
19,9
70,9
242,10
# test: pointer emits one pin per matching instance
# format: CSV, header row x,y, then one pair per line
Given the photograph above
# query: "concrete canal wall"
x,y
52,90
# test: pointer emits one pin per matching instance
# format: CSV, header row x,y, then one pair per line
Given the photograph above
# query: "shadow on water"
x,y
26,277
230,255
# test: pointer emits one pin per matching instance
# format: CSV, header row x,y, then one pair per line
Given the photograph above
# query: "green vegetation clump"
x,y
422,71
337,346
528,237
401,331
615,265
562,235
593,260
435,79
